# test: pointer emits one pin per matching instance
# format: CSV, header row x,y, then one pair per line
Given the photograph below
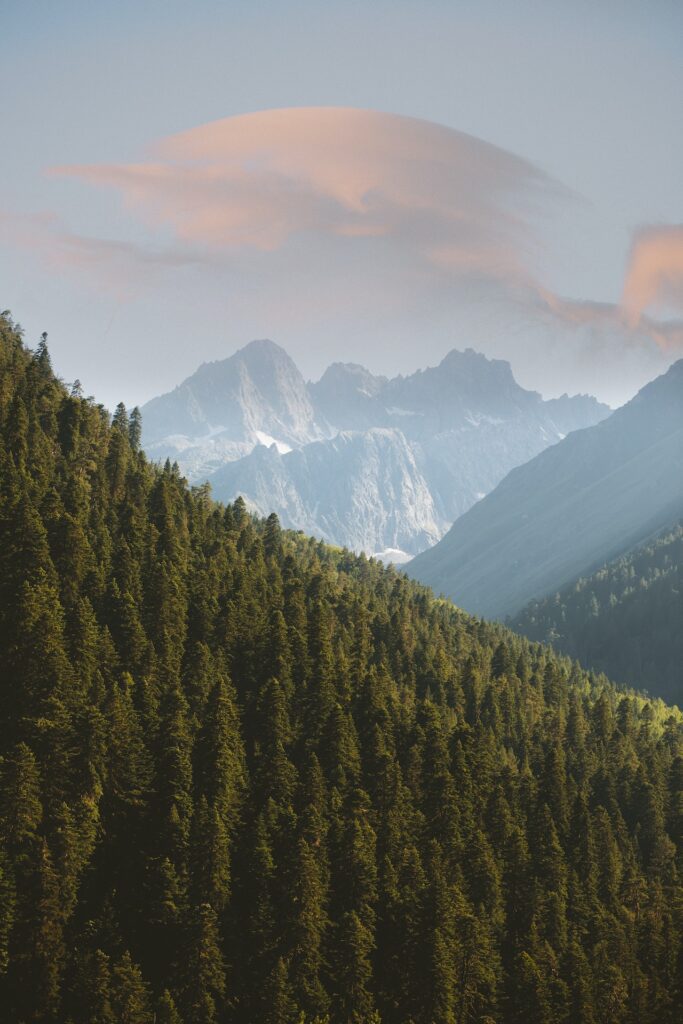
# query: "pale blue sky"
x,y
591,93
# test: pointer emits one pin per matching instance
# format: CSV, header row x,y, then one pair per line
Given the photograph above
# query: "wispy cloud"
x,y
353,223
115,265
391,195
667,334
259,181
654,277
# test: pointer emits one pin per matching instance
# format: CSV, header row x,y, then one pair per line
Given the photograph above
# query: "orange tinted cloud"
x,y
316,214
261,180
118,267
655,271
643,330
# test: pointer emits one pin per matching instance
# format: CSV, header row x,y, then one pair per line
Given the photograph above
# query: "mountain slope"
x,y
227,407
455,429
598,493
625,620
247,777
363,490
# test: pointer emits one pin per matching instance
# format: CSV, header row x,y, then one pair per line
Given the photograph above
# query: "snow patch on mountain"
x,y
376,464
257,395
393,555
269,441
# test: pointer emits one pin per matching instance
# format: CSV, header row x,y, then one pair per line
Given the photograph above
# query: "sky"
x,y
375,183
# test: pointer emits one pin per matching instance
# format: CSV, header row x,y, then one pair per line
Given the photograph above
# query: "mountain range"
x,y
592,497
374,464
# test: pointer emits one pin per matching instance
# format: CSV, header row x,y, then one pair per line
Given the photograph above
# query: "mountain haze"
x,y
359,460
626,619
362,489
227,407
596,494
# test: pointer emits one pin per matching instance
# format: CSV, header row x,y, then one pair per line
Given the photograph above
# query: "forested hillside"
x,y
249,778
625,620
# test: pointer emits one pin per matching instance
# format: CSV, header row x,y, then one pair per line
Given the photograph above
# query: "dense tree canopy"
x,y
249,778
625,620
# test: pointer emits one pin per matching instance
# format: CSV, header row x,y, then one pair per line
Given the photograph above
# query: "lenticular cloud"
x,y
347,177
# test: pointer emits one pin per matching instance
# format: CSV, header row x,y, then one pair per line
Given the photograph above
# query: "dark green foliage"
x,y
246,777
625,620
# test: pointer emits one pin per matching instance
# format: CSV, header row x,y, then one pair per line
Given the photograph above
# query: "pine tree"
x,y
129,995
93,988
46,940
275,776
166,1012
7,909
272,537
220,767
204,968
135,429
246,776
278,1006
307,931
174,779
353,1001
210,857
530,1001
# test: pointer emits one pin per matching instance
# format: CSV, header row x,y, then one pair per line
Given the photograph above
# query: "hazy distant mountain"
x,y
349,396
625,620
361,489
465,390
393,462
257,396
580,503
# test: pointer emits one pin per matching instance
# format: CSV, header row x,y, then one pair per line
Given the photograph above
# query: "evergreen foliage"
x,y
248,777
625,620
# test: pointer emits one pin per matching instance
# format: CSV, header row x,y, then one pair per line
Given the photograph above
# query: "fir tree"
x,y
245,776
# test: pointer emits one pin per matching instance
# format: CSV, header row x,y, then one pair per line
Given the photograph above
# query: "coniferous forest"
x,y
246,777
626,619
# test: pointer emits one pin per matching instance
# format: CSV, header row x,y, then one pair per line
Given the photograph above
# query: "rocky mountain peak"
x,y
401,458
351,376
257,393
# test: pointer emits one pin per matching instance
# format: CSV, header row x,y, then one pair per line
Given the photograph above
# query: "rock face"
x,y
467,420
584,501
227,407
374,464
360,489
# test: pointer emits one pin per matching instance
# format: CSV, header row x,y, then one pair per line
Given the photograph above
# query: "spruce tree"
x,y
245,776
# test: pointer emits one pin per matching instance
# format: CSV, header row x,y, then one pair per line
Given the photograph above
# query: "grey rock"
x,y
375,464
